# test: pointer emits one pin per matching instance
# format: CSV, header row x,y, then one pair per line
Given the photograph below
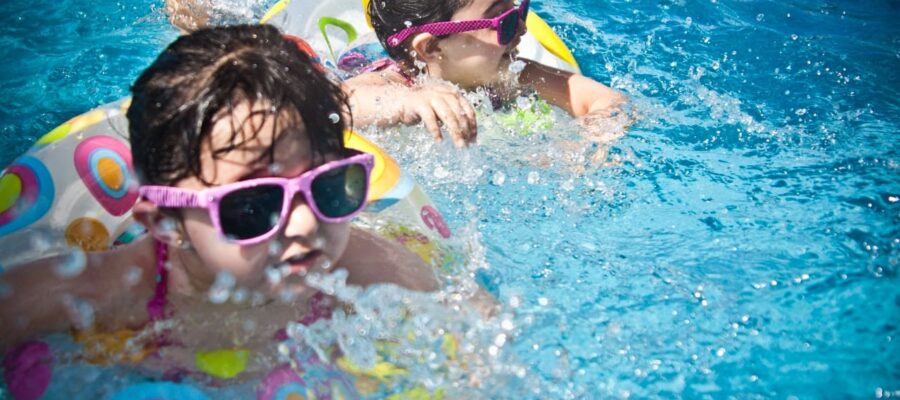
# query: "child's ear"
x,y
161,226
426,47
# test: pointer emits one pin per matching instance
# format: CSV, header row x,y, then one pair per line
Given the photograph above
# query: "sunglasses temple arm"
x,y
165,196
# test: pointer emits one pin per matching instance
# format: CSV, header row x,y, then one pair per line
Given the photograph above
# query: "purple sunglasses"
x,y
252,211
506,25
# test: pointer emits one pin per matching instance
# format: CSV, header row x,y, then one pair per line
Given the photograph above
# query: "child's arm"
x,y
575,93
379,98
44,300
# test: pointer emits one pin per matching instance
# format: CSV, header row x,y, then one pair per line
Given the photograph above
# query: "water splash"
x,y
438,339
220,290
72,264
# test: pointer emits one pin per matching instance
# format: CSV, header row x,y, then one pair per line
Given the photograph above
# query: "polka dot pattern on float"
x,y
26,194
88,234
104,165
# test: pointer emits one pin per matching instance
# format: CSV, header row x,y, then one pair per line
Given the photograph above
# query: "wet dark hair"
x,y
177,99
392,16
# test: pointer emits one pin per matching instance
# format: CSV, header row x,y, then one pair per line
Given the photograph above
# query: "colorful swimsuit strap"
x,y
156,307
390,65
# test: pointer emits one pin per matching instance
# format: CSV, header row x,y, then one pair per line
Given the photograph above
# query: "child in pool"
x,y
243,172
470,43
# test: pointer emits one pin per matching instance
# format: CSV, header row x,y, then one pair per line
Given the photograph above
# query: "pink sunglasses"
x,y
506,25
252,211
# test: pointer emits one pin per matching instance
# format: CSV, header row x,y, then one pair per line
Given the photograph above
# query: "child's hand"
x,y
437,104
603,130
188,15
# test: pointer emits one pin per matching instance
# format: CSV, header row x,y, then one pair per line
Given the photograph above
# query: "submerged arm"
x,y
575,93
44,297
374,259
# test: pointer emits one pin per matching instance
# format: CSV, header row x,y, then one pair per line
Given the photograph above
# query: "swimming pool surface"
x,y
743,242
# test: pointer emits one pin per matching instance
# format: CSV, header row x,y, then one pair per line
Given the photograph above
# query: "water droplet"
x,y
533,177
273,275
71,264
167,226
294,330
720,352
334,117
80,312
543,301
715,65
407,23
274,218
688,21
760,17
524,102
287,295
40,243
516,67
240,295
275,248
800,112
498,179
276,168
257,299
794,36
220,290
132,276
440,172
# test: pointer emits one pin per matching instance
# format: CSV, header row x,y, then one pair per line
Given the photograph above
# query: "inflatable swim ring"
x,y
316,21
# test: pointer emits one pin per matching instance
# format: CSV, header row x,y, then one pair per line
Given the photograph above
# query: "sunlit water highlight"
x,y
740,240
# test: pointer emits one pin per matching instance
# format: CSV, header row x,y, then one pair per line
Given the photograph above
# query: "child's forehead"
x,y
478,8
252,137
252,126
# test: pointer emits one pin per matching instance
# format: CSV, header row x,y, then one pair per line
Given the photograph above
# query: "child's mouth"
x,y
300,263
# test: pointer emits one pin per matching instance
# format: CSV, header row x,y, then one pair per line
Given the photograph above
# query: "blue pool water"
x,y
745,244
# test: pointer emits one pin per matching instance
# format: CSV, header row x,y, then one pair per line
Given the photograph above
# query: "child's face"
x,y
473,59
304,242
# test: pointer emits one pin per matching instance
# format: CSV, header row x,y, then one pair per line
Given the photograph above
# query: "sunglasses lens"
x,y
341,191
251,212
523,9
508,27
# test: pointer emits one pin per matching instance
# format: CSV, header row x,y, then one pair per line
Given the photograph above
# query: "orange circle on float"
x,y
10,190
111,173
87,233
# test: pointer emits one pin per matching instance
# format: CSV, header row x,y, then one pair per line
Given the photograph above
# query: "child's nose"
x,y
301,220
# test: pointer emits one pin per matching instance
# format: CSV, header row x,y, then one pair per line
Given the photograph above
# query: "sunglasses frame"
x,y
451,27
210,199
